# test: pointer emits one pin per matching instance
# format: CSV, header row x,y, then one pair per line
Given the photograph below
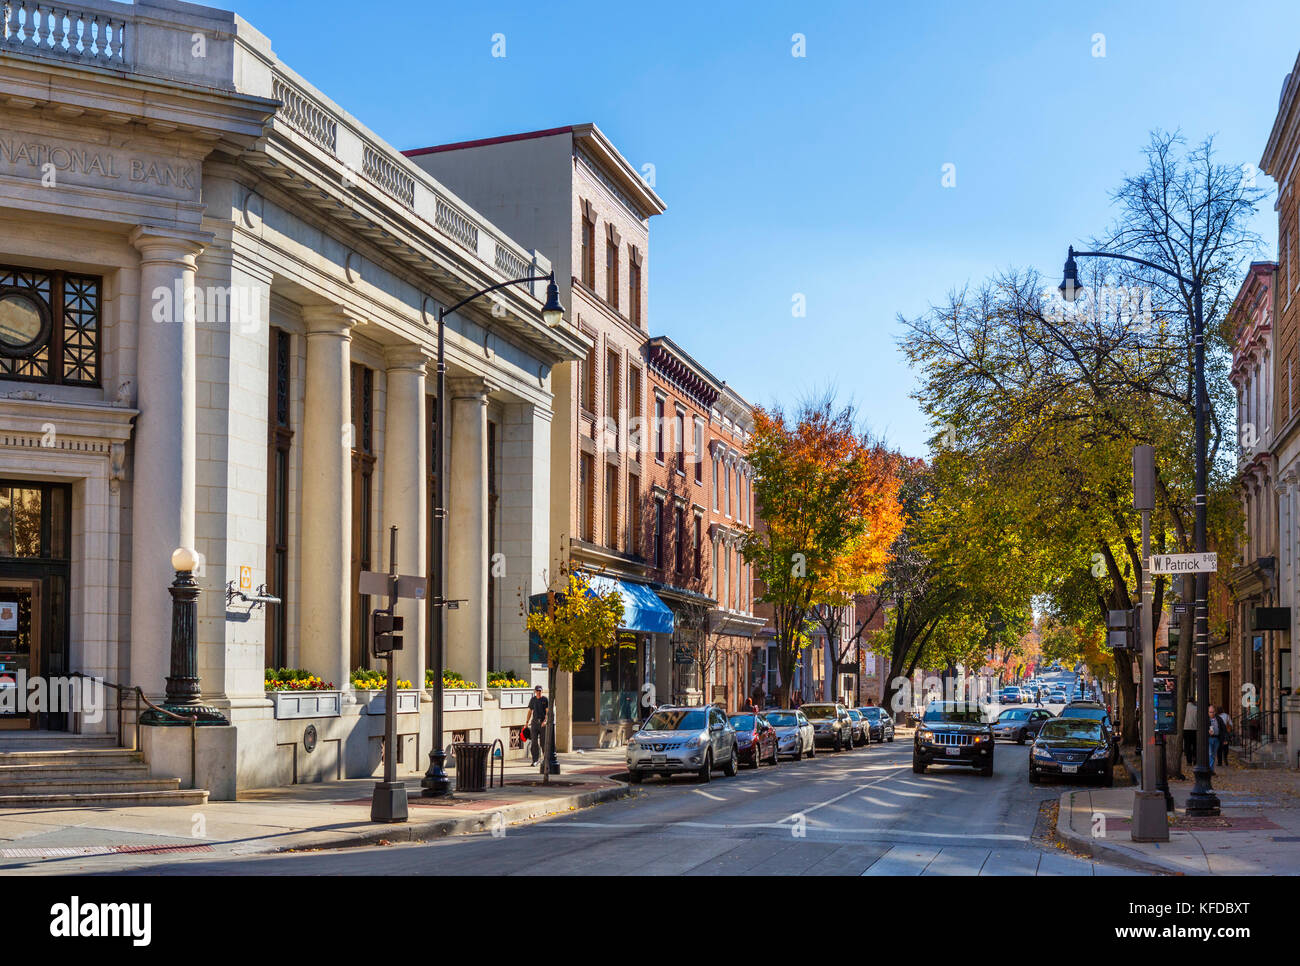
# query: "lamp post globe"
x,y
1070,288
184,560
552,311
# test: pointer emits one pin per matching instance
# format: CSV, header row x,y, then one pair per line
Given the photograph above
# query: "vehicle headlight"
x,y
1102,752
976,739
696,740
632,746
1041,752
925,735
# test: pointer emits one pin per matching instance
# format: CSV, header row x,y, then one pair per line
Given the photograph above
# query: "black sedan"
x,y
1095,711
880,724
1072,748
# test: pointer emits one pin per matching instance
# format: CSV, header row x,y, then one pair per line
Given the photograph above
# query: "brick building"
x,y
697,508
1251,649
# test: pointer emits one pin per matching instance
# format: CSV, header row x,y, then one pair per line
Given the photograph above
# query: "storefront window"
x,y
619,680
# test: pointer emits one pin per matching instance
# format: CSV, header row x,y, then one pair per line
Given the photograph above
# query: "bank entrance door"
x,y
20,649
35,566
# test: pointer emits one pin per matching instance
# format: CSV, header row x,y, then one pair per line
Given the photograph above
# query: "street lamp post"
x,y
1202,800
435,783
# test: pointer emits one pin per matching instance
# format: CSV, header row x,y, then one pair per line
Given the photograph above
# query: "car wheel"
x,y
776,755
1021,736
812,750
634,776
732,766
1033,777
798,754
891,736
918,767
839,744
706,770
987,770
1108,779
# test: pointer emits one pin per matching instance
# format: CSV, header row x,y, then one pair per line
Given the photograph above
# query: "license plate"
x,y
1069,769
954,751
658,759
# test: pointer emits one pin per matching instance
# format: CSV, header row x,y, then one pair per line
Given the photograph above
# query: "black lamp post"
x,y
1202,800
182,696
435,783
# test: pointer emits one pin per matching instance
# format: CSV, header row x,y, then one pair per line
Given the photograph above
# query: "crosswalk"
x,y
973,860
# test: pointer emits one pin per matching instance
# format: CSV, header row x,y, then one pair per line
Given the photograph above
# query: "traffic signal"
x,y
1124,629
387,626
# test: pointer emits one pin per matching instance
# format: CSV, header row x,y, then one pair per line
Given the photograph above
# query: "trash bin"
x,y
471,765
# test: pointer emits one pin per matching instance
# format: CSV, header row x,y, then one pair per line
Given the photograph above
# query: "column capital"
x,y
407,356
469,387
329,320
168,244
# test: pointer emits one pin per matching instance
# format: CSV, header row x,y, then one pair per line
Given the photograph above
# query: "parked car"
x,y
1020,724
1071,747
794,733
953,733
831,724
861,731
879,723
1095,711
755,739
674,740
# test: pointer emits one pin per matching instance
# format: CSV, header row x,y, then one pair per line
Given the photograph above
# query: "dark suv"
x,y
1095,711
953,733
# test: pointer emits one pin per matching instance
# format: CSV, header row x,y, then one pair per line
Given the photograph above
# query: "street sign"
x,y
1184,563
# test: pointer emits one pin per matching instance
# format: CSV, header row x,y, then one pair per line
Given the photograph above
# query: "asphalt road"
x,y
860,813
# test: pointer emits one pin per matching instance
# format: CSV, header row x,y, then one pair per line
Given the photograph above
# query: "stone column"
x,y
525,488
467,536
324,628
405,503
162,514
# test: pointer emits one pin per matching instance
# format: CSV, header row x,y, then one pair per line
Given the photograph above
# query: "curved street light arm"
x,y
1139,261
443,313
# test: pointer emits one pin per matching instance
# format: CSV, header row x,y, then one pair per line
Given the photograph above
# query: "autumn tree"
x,y
573,621
828,497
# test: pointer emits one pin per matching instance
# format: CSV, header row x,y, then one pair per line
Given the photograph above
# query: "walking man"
x,y
535,722
1225,733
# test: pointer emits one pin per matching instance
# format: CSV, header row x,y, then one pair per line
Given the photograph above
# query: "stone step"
x,y
53,740
81,786
172,796
42,771
87,757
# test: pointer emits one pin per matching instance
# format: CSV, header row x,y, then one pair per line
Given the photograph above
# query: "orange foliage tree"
x,y
827,496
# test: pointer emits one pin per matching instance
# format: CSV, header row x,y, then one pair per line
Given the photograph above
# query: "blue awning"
x,y
642,608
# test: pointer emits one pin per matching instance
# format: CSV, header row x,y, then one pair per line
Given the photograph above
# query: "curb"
x,y
410,831
1098,849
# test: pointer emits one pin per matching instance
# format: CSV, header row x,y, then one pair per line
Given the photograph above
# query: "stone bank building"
x,y
218,306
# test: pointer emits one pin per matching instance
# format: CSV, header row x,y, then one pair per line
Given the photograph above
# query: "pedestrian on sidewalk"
x,y
535,722
1189,733
1214,727
796,700
1225,735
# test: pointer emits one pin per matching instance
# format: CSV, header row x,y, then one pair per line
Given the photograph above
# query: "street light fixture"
x,y
435,783
1202,800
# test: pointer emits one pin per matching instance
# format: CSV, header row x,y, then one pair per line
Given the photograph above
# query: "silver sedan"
x,y
794,733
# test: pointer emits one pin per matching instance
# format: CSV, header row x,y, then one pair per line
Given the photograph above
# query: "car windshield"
x,y
1064,728
954,712
781,719
742,722
1097,714
819,710
872,714
1015,714
855,714
678,719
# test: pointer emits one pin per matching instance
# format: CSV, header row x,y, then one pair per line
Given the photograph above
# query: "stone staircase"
x,y
54,769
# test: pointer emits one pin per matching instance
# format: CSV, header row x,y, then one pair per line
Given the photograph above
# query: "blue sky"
x,y
821,175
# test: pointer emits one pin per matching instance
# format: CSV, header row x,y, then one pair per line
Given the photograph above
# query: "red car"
x,y
755,739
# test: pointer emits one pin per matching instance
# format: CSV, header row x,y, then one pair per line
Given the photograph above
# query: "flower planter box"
x,y
512,698
306,704
460,699
375,702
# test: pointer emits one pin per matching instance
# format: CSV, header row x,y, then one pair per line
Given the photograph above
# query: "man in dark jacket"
x,y
535,722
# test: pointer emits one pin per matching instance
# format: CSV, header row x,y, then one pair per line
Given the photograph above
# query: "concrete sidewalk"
x,y
327,815
1258,832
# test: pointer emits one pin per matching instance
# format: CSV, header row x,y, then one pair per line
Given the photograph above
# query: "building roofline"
x,y
589,137
662,341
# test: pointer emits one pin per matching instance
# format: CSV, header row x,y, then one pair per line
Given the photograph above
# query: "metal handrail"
x,y
120,690
1256,729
